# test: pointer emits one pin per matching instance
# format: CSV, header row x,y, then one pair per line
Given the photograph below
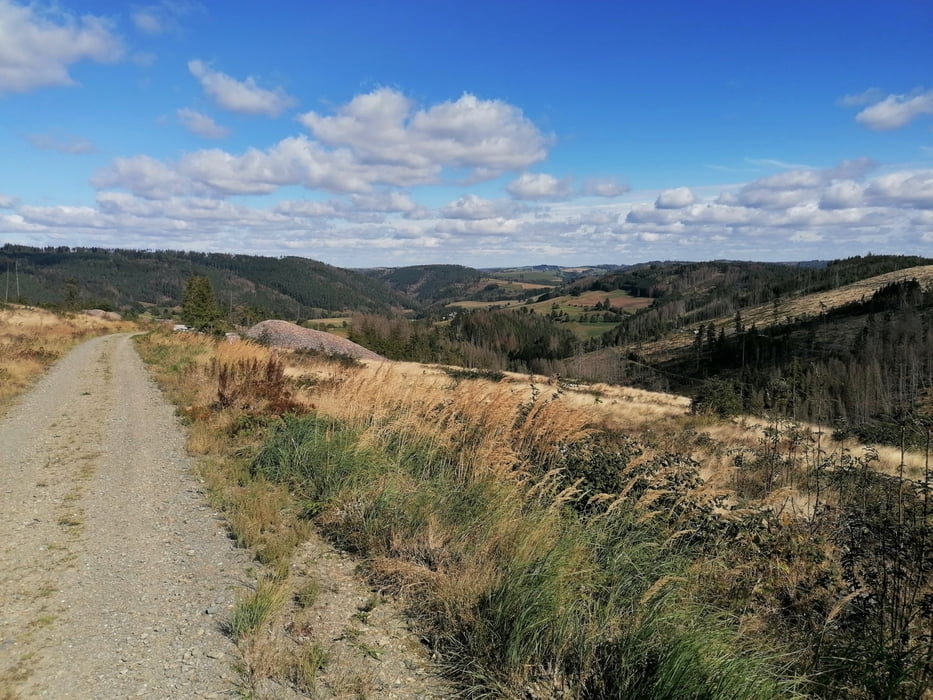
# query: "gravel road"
x,y
115,574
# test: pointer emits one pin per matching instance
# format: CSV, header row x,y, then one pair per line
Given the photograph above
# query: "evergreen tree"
x,y
199,308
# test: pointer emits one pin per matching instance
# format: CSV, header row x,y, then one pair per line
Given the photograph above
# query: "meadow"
x,y
555,540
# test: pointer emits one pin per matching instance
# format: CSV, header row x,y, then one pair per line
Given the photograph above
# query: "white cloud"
x,y
145,177
472,207
842,195
604,187
895,111
387,201
307,209
479,227
854,169
245,96
675,199
292,161
914,189
539,186
38,46
8,202
807,237
201,124
863,98
376,140
649,237
383,127
147,21
163,17
799,208
63,144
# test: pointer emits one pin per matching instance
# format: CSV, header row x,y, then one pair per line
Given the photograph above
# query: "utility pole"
x,y
6,295
16,269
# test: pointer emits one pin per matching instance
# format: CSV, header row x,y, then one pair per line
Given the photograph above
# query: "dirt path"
x,y
114,573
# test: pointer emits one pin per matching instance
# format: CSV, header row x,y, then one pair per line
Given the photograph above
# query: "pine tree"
x,y
199,306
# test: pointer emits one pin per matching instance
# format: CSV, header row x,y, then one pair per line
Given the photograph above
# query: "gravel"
x,y
115,574
288,335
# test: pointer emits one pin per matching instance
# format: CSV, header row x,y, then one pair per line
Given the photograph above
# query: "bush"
x,y
721,397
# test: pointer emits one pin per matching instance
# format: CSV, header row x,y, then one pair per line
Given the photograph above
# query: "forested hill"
x,y
431,284
685,294
253,287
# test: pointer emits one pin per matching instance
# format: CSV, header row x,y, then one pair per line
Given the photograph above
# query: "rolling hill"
x,y
248,287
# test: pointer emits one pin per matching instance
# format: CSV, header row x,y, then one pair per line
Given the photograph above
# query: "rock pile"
x,y
288,335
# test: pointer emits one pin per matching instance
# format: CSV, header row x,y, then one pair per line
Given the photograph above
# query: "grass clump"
x,y
256,608
306,667
307,595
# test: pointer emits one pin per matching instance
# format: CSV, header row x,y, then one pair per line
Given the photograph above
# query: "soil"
x,y
116,576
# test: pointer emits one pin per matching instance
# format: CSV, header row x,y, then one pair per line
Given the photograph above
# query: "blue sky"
x,y
488,134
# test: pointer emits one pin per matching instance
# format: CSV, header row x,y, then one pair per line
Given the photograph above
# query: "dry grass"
x,y
31,340
453,490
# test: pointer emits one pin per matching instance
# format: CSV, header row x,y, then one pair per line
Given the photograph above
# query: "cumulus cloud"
x,y
603,187
292,161
201,124
145,177
473,207
376,140
8,202
854,169
386,201
243,96
842,195
359,229
677,198
895,111
63,144
479,227
38,46
307,209
914,189
384,127
539,186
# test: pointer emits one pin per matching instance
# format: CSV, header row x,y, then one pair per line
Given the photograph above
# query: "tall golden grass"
x,y
479,503
455,491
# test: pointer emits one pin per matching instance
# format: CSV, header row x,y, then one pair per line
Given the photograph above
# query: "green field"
x,y
586,331
547,278
574,306
337,326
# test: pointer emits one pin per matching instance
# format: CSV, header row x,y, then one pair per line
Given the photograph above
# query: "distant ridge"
x,y
254,286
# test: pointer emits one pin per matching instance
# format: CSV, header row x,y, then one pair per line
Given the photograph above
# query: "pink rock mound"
x,y
288,335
